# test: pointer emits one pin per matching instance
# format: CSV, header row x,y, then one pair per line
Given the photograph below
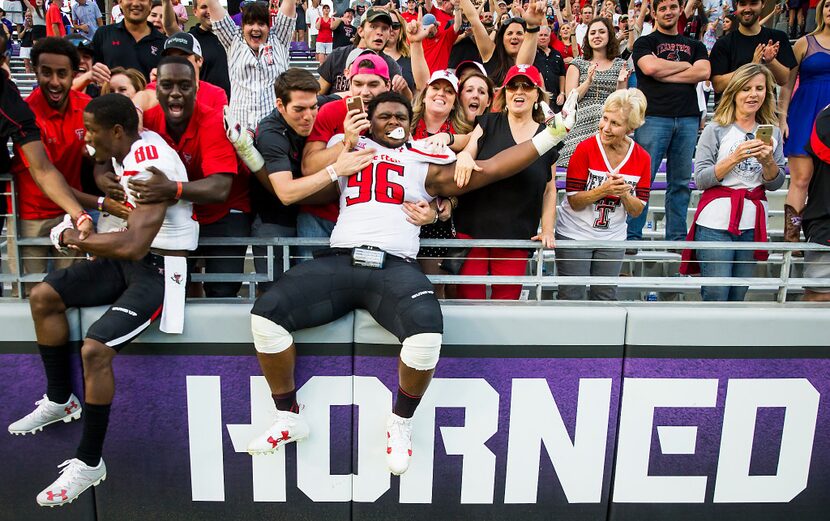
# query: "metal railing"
x,y
538,279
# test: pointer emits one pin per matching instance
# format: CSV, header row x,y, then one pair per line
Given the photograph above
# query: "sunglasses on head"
x,y
396,25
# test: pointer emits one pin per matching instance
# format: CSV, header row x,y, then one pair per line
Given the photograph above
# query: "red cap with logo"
x,y
528,71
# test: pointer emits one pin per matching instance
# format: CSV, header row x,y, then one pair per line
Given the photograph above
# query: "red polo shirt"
x,y
208,95
63,138
205,151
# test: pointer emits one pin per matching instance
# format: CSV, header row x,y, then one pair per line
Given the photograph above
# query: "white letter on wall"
x,y
535,419
743,398
640,397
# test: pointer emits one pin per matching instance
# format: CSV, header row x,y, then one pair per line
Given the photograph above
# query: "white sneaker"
x,y
47,413
287,427
398,444
76,476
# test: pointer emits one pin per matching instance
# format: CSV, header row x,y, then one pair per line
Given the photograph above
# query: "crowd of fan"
x,y
478,74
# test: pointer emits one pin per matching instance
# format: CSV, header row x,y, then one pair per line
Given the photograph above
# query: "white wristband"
x,y
544,141
332,173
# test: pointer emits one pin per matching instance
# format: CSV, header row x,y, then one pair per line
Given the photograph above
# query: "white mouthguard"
x,y
398,133
90,150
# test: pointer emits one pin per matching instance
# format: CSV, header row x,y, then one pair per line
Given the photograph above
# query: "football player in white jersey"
x,y
371,265
139,271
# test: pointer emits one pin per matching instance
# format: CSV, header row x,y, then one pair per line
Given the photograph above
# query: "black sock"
x,y
287,401
96,419
58,372
406,404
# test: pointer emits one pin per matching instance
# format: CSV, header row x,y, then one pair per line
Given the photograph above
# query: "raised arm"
x,y
534,16
486,46
169,18
420,69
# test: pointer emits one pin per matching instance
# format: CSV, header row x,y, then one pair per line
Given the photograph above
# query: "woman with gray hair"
x,y
609,178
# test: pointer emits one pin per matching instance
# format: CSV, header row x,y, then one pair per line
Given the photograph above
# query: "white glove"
x,y
56,233
243,141
558,125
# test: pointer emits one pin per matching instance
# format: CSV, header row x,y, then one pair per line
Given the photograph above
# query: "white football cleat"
x,y
398,443
242,140
288,427
47,413
76,476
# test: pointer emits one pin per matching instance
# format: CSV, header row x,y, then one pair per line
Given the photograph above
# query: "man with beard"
x,y
217,189
371,265
141,271
750,43
373,33
257,55
59,114
215,60
669,67
132,42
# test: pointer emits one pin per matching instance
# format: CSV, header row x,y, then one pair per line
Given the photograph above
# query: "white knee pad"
x,y
421,351
269,337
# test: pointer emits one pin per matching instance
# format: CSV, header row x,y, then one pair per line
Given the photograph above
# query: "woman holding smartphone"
x,y
735,168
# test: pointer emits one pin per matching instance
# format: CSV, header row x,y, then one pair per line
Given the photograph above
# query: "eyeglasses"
x,y
520,85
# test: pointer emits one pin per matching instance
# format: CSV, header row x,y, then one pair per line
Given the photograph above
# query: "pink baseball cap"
x,y
376,65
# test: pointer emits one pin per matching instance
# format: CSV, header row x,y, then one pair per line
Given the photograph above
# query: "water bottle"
x,y
651,296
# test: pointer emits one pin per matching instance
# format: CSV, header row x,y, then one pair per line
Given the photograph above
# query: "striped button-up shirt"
x,y
252,74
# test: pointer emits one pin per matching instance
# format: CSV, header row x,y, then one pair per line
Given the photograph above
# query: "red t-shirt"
x,y
442,16
63,138
325,34
53,16
565,51
209,95
329,123
206,151
437,50
409,16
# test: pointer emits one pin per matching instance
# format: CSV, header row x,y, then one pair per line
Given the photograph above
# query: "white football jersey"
x,y
179,231
371,200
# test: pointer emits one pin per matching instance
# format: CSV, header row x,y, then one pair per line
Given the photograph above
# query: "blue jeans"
x,y
674,139
309,225
724,263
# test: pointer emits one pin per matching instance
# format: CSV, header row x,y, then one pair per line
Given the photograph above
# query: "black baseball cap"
x,y
81,42
184,42
377,15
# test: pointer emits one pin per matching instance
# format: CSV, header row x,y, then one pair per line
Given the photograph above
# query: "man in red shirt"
x,y
217,187
54,20
369,76
58,112
187,46
441,37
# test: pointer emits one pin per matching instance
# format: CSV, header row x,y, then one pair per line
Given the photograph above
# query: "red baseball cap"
x,y
528,71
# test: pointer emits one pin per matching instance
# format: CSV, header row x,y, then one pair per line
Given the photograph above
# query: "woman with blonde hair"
x,y
735,169
397,48
609,178
128,82
812,72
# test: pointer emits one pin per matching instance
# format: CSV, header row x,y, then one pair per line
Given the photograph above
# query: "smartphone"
x,y
354,103
764,133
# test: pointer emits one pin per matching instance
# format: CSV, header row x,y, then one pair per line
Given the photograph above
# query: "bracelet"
x,y
436,217
531,30
101,203
332,173
179,188
452,139
82,217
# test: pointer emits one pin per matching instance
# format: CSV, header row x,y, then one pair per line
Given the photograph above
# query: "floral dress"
x,y
589,108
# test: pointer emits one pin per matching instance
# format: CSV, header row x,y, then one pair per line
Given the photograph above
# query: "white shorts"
x,y
25,52
323,48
